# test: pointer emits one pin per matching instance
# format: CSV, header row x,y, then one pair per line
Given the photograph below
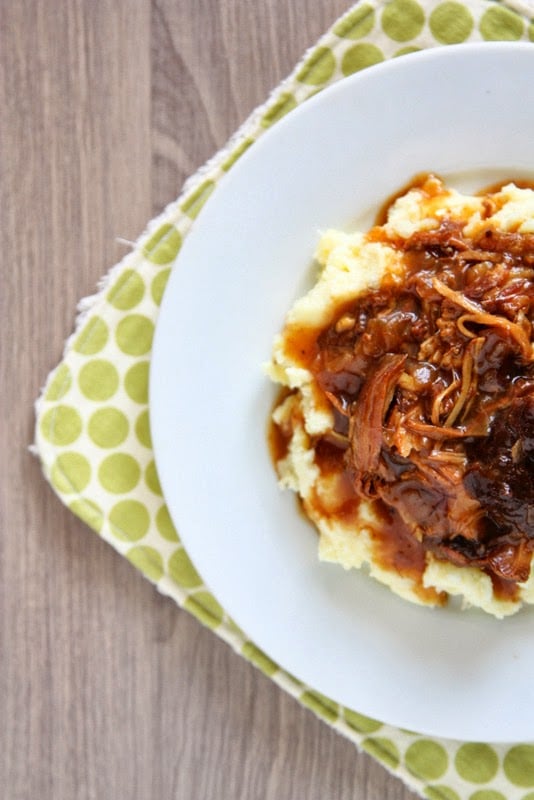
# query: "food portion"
x,y
406,422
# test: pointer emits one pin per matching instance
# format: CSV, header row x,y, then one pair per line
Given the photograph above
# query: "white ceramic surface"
x,y
467,113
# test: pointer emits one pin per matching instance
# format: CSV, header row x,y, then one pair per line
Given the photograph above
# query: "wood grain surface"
x,y
107,689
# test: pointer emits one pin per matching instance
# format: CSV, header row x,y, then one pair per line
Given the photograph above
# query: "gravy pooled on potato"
x,y
407,421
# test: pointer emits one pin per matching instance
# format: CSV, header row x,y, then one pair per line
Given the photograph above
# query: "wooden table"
x,y
107,689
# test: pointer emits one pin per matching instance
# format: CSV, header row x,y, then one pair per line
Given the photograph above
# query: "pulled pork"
x,y
433,390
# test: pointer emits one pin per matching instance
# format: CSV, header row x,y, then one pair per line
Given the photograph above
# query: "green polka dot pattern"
x,y
92,338
192,205
151,478
93,432
134,334
148,560
319,68
206,608
164,245
282,106
182,570
426,759
476,762
236,154
119,473
164,525
61,425
519,765
254,654
71,472
129,520
359,722
383,749
142,429
159,284
451,23
127,292
499,23
403,20
360,56
404,51
108,427
60,383
98,380
440,792
322,706
136,382
357,23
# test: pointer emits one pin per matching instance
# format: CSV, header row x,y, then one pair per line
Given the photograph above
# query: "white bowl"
x,y
467,113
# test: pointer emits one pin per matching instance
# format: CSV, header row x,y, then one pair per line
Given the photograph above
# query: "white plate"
x,y
467,113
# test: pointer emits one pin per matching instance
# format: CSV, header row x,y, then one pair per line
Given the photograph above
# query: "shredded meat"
x,y
433,390
366,423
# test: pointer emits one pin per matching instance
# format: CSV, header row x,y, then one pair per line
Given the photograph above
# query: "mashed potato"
x,y
357,529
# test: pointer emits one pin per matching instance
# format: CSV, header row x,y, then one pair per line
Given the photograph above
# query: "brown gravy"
x,y
329,354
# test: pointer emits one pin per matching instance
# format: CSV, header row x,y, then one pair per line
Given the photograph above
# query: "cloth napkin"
x,y
92,427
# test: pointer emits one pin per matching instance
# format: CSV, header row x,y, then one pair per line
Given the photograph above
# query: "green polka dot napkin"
x,y
93,435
